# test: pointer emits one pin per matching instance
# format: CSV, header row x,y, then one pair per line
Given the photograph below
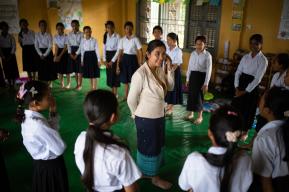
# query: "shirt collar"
x,y
217,150
131,37
30,113
113,35
203,52
258,54
271,125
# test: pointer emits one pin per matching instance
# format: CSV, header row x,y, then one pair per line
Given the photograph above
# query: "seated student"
x,y
224,167
280,66
270,153
103,160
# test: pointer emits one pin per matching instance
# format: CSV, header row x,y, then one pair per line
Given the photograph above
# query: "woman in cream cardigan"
x,y
146,100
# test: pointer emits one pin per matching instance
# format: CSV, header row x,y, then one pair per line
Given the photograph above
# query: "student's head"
x,y
75,25
172,40
286,78
42,25
200,43
256,42
100,108
87,31
281,62
128,28
156,53
60,28
33,95
23,23
158,32
109,27
4,27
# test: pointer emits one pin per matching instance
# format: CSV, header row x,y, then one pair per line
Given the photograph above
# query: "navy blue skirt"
x,y
195,92
128,66
90,65
47,68
62,67
10,67
29,58
175,97
74,65
112,79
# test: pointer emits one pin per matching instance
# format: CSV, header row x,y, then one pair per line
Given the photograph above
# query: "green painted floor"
x,y
181,138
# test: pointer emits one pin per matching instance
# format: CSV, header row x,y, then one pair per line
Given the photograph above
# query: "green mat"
x,y
181,137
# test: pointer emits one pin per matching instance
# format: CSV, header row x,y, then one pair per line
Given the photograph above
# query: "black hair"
x,y
257,37
75,21
157,27
276,99
86,28
23,20
99,105
201,38
59,24
223,120
111,23
283,59
154,44
174,36
29,96
42,21
4,24
128,23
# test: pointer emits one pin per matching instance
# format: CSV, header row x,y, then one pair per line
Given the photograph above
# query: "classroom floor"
x,y
181,138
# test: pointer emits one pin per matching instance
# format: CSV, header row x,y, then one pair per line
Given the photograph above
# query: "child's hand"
x,y
109,65
187,84
117,70
82,64
205,88
72,56
99,64
52,104
4,135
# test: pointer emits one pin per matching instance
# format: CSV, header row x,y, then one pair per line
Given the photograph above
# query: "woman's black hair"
x,y
99,106
174,36
283,59
75,21
86,28
201,38
4,24
277,100
32,91
42,21
23,20
59,24
128,23
110,23
223,120
157,27
257,37
154,44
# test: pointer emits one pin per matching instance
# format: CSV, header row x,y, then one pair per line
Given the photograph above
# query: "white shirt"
x,y
41,137
200,62
176,55
88,45
8,42
146,96
60,40
27,38
252,66
43,41
73,39
199,175
269,150
113,165
278,80
129,46
111,45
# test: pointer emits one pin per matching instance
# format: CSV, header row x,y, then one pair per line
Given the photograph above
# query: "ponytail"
x,y
174,36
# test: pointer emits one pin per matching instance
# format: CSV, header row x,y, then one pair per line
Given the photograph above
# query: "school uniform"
x,y
8,49
90,58
247,78
146,100
201,176
61,42
43,46
110,53
114,168
198,74
29,54
43,142
73,43
129,62
267,155
175,97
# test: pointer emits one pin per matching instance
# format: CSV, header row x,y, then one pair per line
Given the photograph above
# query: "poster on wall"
x,y
284,23
9,13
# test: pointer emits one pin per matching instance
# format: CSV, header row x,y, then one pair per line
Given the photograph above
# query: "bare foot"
x,y
163,184
198,121
79,88
67,86
189,117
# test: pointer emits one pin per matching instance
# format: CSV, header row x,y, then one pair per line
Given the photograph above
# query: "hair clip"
x,y
286,113
22,91
33,91
232,136
232,113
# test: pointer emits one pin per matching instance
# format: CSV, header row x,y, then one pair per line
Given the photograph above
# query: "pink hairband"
x,y
232,113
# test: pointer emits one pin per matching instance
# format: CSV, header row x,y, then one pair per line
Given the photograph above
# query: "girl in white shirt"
x,y
270,152
158,33
224,167
103,160
90,57
41,137
280,66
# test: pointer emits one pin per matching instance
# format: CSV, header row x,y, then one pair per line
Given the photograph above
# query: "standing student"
x,y
74,62
130,56
43,46
26,38
104,161
41,137
90,57
61,55
110,54
198,78
146,101
249,74
280,66
270,152
7,51
224,167
158,33
174,97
